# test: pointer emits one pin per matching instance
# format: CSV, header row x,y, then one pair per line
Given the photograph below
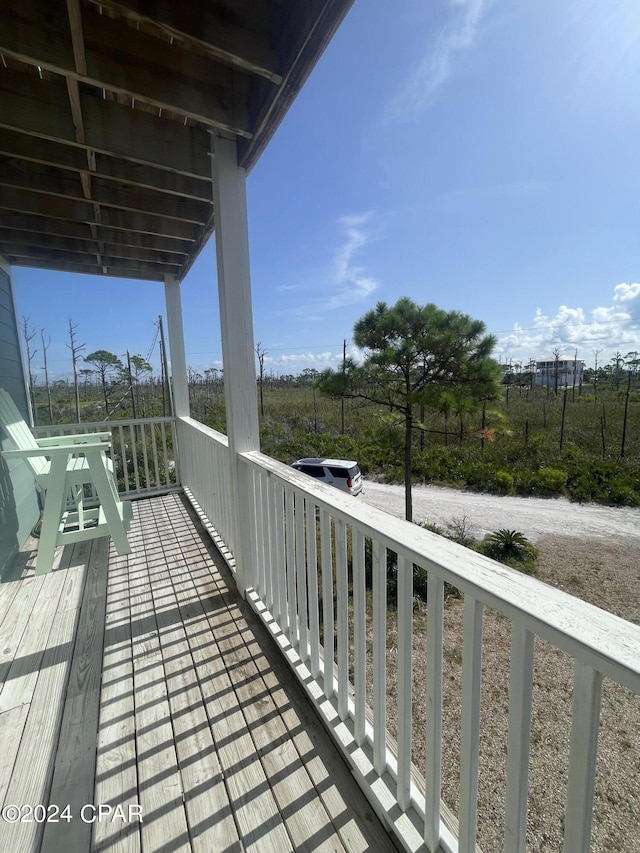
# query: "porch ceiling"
x,y
106,110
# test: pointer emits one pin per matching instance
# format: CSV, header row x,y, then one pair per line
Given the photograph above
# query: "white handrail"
x,y
144,451
311,544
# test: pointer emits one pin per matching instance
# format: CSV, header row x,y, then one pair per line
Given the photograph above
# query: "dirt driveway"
x,y
535,517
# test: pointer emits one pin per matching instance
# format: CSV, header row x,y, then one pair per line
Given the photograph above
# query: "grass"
x,y
522,450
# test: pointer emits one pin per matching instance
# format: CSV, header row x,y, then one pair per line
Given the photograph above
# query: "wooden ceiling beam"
x,y
22,241
237,36
127,61
73,89
117,269
41,107
36,225
65,257
31,202
33,149
66,184
147,223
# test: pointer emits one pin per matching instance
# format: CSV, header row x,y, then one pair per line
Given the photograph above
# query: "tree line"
x,y
116,378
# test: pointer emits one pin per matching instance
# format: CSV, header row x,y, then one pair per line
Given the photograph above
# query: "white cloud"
x,y
626,292
343,281
457,35
350,282
295,363
606,328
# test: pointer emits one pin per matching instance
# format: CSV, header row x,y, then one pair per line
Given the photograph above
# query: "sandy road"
x,y
535,517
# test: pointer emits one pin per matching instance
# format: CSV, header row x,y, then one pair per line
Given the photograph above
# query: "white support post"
x,y
236,322
176,346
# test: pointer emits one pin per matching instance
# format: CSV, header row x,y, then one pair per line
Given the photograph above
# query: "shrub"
x,y
505,483
550,481
512,548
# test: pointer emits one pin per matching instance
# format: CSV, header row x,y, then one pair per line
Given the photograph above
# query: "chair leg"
x,y
52,516
109,499
78,500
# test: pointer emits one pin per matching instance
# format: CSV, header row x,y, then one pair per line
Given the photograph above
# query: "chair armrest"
x,y
90,437
58,450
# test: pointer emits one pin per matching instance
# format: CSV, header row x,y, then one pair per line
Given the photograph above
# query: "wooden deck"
x,y
144,694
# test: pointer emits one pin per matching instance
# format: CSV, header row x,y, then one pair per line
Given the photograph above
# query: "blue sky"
x,y
479,154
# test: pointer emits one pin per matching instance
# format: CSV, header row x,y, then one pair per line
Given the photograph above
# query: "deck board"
x,y
116,768
146,680
209,811
74,772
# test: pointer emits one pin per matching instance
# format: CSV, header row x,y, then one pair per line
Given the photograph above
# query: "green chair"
x,y
62,467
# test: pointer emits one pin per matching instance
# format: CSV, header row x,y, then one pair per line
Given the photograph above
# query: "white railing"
x,y
144,452
311,545
204,468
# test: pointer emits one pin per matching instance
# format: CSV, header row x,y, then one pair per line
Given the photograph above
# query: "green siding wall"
x,y
18,501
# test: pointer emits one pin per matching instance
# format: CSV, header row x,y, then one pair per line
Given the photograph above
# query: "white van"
x,y
341,473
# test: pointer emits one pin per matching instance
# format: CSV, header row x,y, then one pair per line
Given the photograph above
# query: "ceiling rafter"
x,y
233,36
106,113
80,59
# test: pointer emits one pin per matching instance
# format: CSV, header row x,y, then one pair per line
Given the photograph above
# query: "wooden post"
x,y
176,346
626,412
564,408
238,351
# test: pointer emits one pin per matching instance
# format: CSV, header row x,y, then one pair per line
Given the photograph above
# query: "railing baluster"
x,y
342,619
175,453
587,683
123,456
405,637
258,533
134,456
517,787
327,601
165,455
312,580
433,768
301,579
359,637
154,447
379,559
291,567
280,574
266,541
470,734
145,459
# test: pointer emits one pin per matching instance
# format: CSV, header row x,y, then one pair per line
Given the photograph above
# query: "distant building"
x,y
569,371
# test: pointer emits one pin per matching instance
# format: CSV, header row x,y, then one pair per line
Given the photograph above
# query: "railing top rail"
x,y
600,639
220,437
102,424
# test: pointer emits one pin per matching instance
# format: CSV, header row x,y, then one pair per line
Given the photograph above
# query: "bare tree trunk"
x,y
45,347
260,352
29,335
408,435
76,349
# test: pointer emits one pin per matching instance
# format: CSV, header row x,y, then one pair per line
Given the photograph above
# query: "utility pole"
x,y
133,396
344,367
165,368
